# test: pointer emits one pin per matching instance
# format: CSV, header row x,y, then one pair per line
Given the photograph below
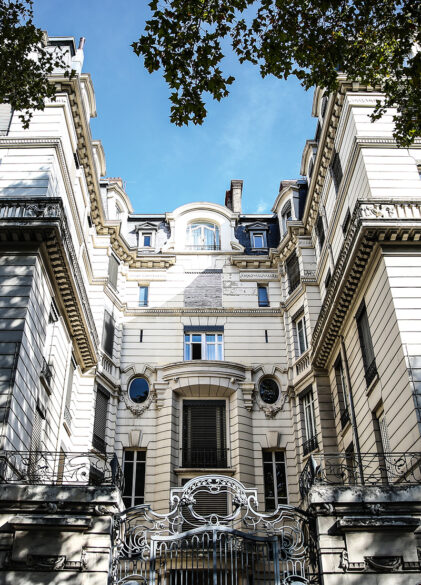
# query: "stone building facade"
x,y
271,352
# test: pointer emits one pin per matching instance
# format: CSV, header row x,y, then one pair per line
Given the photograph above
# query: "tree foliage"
x,y
25,61
371,41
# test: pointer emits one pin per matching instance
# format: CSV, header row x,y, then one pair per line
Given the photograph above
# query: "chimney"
x,y
233,196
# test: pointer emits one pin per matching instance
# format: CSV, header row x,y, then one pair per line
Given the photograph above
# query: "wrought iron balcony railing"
x,y
205,458
203,247
369,469
59,468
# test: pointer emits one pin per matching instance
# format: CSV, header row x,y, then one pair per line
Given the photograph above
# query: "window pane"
x,y
258,241
210,352
143,296
210,338
262,293
196,338
147,240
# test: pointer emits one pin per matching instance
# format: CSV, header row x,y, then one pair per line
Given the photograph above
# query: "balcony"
x,y
365,469
198,247
59,468
205,458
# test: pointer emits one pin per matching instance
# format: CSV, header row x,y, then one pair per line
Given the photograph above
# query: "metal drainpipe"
x,y
352,409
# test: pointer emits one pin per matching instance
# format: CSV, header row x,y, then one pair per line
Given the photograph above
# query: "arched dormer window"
x,y
203,235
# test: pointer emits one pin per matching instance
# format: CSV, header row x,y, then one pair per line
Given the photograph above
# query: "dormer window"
x,y
203,236
146,233
286,215
258,240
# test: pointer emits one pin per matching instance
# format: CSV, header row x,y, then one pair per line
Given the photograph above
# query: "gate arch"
x,y
195,545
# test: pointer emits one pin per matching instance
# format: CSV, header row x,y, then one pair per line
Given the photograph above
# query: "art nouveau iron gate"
x,y
192,545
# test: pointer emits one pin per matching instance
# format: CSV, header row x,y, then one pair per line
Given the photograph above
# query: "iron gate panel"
x,y
243,547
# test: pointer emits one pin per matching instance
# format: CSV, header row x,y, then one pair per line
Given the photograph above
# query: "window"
x,y
310,439
300,327
293,272
204,434
203,346
275,480
108,334
336,171
138,390
134,463
70,376
143,296
342,390
258,240
100,419
37,429
269,391
347,220
5,118
366,344
147,240
286,215
323,105
113,265
320,231
328,279
203,236
262,295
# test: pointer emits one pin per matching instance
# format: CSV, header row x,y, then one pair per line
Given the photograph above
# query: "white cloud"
x,y
262,207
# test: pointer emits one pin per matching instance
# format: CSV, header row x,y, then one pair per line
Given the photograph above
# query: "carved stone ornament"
x,y
272,410
139,409
384,564
46,562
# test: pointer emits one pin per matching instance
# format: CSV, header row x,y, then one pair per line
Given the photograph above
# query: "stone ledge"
x,y
64,523
376,523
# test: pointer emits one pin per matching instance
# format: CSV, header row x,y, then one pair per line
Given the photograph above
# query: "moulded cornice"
x,y
225,311
251,262
373,222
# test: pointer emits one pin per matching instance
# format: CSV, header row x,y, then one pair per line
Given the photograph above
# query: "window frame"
x,y
113,266
108,344
100,421
263,302
366,344
342,391
301,320
134,465
203,225
204,345
276,497
145,303
309,419
292,268
258,234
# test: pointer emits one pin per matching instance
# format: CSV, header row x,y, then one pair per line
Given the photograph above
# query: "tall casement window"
x,y
100,419
293,272
143,296
203,236
342,389
262,295
310,438
275,479
113,264
204,434
37,429
108,334
301,335
5,118
70,377
204,343
366,344
134,463
336,170
320,232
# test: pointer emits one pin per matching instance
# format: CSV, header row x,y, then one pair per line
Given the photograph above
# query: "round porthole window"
x,y
138,390
269,390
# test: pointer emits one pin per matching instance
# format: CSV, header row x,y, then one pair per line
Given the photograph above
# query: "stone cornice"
x,y
252,262
44,221
374,221
223,311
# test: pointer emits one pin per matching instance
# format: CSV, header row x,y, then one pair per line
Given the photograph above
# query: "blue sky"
x,y
256,134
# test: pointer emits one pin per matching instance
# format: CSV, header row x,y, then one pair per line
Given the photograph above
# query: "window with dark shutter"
x,y
5,118
37,428
366,344
100,420
336,171
204,434
134,477
108,334
113,271
320,230
293,272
